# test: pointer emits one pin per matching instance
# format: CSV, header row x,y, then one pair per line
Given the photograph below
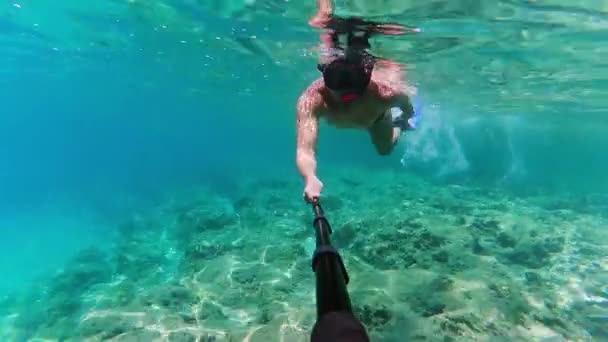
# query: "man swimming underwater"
x,y
357,90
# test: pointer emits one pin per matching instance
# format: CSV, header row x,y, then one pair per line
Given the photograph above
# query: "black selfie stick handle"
x,y
335,319
329,269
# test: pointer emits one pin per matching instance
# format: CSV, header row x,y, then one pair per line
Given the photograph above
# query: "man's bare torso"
x,y
362,113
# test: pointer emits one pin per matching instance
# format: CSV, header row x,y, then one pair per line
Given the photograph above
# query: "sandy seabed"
x,y
426,262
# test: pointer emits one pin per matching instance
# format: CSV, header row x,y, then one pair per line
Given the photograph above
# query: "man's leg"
x,y
384,135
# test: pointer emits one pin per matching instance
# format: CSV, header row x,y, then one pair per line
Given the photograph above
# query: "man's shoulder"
x,y
387,91
311,97
314,88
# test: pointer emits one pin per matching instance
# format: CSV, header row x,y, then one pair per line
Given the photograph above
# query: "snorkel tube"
x,y
335,319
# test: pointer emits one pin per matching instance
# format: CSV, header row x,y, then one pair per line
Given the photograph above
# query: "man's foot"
x,y
414,120
399,120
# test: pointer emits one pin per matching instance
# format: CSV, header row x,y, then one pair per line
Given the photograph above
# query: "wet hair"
x,y
348,73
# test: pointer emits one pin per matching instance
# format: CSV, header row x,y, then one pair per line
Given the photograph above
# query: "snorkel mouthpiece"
x,y
349,98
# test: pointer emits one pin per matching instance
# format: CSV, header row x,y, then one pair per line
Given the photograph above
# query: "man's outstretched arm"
x,y
325,6
325,9
307,135
322,19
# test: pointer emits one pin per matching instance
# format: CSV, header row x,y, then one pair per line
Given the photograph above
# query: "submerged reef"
x,y
427,263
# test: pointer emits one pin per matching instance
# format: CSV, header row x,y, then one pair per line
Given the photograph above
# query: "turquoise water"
x,y
148,189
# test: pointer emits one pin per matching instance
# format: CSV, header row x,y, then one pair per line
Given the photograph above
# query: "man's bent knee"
x,y
384,150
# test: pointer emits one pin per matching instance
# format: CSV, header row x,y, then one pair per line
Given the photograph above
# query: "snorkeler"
x,y
357,90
